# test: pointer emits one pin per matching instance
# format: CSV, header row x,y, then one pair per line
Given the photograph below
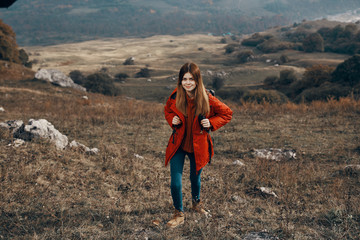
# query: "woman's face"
x,y
188,82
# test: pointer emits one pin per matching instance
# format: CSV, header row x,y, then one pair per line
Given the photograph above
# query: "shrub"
x,y
233,94
325,33
24,58
256,39
121,77
223,40
273,45
77,77
284,59
270,81
324,92
230,48
101,83
261,96
348,72
287,76
245,56
129,61
313,43
316,75
298,36
143,73
217,83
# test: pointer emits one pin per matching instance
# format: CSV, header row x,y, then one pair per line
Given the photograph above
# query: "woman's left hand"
x,y
205,123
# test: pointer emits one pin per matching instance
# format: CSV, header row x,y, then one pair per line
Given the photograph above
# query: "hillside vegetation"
x,y
54,22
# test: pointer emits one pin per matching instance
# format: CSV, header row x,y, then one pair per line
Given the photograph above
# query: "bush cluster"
x,y
274,45
341,39
319,82
256,39
245,56
99,82
258,95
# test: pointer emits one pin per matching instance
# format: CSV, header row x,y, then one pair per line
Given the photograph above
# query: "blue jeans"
x,y
176,169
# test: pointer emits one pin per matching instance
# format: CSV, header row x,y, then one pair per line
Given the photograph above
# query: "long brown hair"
x,y
201,97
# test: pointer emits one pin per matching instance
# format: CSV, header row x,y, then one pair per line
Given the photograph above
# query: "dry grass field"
x,y
47,193
51,194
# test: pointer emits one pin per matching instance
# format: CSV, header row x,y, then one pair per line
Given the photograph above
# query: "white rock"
x,y
138,156
58,78
85,97
268,191
92,151
238,162
41,128
12,125
268,60
149,80
2,109
18,142
352,169
275,154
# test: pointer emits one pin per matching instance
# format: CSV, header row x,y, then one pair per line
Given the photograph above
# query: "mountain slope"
x,y
47,22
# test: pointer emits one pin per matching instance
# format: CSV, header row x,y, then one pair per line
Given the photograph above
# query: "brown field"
x,y
51,194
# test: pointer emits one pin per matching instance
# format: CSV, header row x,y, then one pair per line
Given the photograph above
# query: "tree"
x,y
348,72
313,43
8,46
101,83
245,56
316,75
77,77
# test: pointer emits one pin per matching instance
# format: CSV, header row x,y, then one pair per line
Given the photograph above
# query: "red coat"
x,y
219,115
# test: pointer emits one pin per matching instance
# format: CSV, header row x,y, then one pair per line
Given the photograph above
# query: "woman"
x,y
192,112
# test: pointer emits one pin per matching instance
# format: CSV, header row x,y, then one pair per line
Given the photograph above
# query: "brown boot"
x,y
198,206
177,219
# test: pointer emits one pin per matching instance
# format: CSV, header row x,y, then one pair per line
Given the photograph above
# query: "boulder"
x,y
2,109
58,78
41,128
238,162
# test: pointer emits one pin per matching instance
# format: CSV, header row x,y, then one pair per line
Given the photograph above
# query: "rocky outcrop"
x,y
58,78
41,128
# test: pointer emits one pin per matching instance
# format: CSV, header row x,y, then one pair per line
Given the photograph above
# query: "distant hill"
x,y
38,22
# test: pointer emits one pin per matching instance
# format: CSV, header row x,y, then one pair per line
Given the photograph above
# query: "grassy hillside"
x,y
51,194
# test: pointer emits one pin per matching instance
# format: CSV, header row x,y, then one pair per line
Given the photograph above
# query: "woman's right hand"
x,y
176,121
